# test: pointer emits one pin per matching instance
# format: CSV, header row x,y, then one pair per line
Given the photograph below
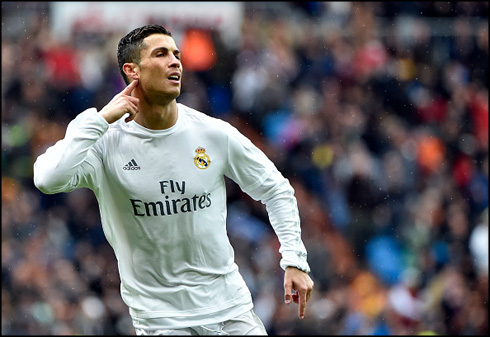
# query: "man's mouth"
x,y
174,77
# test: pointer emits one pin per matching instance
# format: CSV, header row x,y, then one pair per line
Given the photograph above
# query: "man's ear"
x,y
131,70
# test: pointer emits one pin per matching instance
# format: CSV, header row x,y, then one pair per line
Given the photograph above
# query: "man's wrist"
x,y
305,269
294,259
297,267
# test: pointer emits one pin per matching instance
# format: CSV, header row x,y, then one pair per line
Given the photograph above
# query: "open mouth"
x,y
174,77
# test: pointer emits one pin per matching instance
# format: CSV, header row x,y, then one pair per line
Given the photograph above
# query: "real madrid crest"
x,y
201,159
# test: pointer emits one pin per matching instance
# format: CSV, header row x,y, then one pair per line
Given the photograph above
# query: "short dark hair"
x,y
129,47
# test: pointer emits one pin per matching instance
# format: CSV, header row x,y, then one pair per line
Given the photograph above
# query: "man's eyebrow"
x,y
165,49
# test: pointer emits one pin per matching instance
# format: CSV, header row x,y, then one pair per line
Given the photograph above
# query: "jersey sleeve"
x,y
72,162
248,166
257,176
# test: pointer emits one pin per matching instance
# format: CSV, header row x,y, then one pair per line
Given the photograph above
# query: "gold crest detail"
x,y
201,160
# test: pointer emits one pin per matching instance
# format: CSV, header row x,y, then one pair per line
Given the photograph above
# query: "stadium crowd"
x,y
377,113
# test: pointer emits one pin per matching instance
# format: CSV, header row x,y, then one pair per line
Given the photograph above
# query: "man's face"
x,y
160,70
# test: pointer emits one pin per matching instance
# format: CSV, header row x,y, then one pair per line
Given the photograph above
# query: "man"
x,y
158,175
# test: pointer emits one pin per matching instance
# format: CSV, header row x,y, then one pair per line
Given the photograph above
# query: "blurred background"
x,y
376,112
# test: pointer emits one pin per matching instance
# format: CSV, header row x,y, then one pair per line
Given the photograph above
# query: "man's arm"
x,y
278,196
60,168
257,176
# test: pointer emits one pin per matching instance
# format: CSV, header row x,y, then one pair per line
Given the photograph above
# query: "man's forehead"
x,y
159,40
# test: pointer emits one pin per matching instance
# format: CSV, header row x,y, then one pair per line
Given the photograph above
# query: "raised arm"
x,y
65,165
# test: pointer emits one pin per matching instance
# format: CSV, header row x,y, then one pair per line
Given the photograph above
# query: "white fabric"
x,y
164,212
245,324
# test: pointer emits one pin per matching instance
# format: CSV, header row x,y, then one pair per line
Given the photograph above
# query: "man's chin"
x,y
167,96
174,92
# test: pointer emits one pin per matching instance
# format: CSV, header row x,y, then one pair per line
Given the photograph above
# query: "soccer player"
x,y
158,168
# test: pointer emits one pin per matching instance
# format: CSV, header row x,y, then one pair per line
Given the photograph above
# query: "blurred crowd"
x,y
376,112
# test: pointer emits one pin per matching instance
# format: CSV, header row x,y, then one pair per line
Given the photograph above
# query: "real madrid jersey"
x,y
162,201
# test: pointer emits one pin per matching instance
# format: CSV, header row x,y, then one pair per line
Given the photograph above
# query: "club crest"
x,y
201,160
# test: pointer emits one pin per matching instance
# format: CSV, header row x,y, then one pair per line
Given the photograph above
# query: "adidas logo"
x,y
131,165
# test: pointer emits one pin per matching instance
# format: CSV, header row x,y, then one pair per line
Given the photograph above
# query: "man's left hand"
x,y
302,284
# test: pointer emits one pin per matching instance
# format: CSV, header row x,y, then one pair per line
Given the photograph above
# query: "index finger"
x,y
130,87
302,303
287,292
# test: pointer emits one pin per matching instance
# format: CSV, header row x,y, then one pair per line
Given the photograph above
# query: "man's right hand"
x,y
120,104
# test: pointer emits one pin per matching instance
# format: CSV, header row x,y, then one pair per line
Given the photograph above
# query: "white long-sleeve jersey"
x,y
162,201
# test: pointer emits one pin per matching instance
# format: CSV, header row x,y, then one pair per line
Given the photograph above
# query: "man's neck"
x,y
157,117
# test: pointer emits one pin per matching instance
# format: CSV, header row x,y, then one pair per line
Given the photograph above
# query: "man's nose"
x,y
175,62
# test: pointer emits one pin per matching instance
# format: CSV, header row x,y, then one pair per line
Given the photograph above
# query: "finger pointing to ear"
x,y
129,89
121,104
